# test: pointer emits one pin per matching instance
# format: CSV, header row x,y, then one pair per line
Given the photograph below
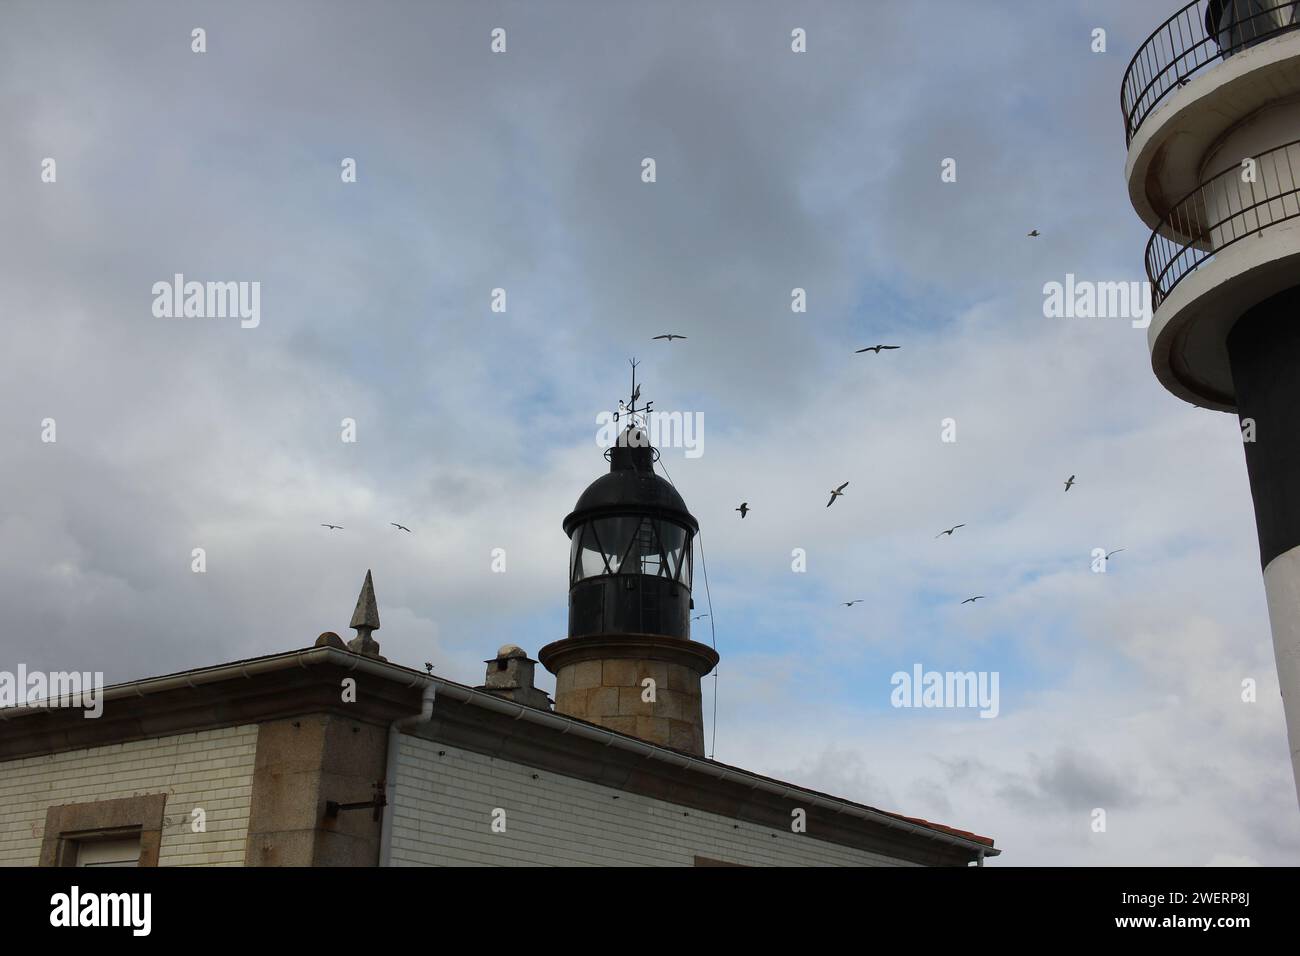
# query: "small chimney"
x,y
510,675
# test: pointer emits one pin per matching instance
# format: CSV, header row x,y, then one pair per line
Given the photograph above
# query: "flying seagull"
x,y
1033,234
1069,482
1109,553
698,617
836,493
972,600
401,527
949,531
743,509
876,348
669,336
851,603
333,527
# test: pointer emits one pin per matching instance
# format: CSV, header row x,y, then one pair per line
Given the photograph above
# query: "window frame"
x,y
69,825
80,841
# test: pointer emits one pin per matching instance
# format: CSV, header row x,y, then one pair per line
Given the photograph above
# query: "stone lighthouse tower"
x,y
1212,116
629,663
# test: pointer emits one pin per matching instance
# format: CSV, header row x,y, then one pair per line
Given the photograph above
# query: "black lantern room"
x,y
1238,24
630,559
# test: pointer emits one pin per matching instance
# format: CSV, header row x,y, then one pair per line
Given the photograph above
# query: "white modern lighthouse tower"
x,y
1212,117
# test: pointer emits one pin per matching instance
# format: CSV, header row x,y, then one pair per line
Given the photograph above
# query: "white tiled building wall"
x,y
212,769
443,812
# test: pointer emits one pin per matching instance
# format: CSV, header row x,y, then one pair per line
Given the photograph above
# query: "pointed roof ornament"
x,y
367,613
365,619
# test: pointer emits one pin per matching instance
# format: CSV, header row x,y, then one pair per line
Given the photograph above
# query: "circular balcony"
x,y
1200,35
1227,246
1237,204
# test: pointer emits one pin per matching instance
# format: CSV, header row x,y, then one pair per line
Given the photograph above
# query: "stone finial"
x,y
365,619
367,613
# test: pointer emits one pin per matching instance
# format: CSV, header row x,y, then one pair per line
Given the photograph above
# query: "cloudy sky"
x,y
522,171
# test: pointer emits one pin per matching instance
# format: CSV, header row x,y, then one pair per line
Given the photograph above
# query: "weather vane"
x,y
629,408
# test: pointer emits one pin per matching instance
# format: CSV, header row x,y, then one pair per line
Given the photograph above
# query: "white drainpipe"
x,y
390,774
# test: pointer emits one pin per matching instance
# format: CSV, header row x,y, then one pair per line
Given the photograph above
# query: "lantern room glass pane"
x,y
687,562
616,536
646,556
591,559
673,538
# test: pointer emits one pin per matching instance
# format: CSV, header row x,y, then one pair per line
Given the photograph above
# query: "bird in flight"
x,y
949,531
333,527
1034,234
1069,482
1109,553
972,600
851,603
401,527
743,509
876,348
836,493
698,617
669,336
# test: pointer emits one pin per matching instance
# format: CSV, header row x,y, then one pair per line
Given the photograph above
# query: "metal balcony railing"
x,y
1238,203
1192,40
